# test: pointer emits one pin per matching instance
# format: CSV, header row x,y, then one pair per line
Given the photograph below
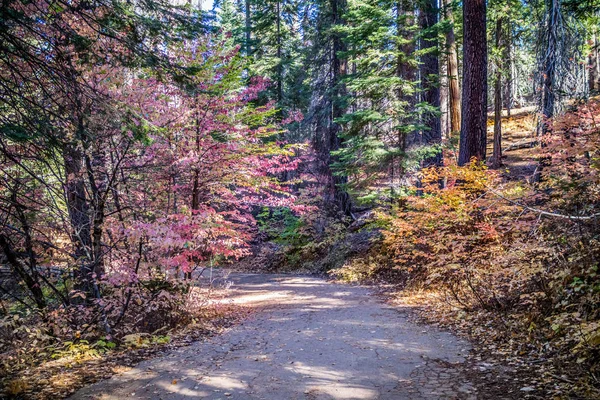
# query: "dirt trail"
x,y
519,162
312,340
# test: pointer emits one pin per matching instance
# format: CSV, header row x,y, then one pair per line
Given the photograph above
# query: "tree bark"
x,y
593,66
430,71
549,78
453,77
497,152
98,191
79,214
444,95
474,99
508,84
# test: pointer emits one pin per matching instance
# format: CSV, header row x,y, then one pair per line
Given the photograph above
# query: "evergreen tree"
x,y
269,36
429,76
473,134
382,126
381,105
450,60
231,22
327,63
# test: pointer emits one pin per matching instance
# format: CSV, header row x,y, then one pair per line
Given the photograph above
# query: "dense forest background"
x,y
442,146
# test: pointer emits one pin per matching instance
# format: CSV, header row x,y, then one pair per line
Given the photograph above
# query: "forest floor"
x,y
308,338
518,143
68,366
314,339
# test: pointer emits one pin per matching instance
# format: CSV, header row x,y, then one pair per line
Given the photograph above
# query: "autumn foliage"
x,y
147,176
520,256
140,146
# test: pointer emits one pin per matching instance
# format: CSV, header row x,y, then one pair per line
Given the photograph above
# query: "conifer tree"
x,y
429,76
382,124
451,61
473,135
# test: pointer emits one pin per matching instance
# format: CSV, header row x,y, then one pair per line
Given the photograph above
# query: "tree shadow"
x,y
317,340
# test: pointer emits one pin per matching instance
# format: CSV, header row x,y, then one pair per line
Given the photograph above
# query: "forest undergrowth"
x,y
38,362
508,257
143,143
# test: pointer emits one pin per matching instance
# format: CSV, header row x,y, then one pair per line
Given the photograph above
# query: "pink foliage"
x,y
209,157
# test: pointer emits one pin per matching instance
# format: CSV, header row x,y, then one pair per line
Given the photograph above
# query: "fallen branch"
x,y
545,213
525,144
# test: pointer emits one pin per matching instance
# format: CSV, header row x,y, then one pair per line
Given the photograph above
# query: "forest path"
x,y
518,143
311,339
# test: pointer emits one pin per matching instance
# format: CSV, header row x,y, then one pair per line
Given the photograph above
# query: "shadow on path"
x,y
313,340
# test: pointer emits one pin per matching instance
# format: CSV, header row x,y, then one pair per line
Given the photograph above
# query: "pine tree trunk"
x,y
497,152
98,187
548,82
508,96
338,68
474,99
430,72
453,77
593,66
444,95
79,215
